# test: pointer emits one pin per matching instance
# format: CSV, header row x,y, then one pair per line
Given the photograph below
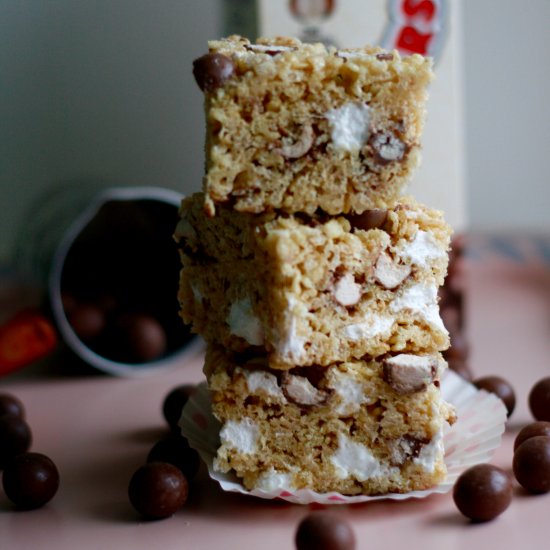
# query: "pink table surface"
x,y
98,430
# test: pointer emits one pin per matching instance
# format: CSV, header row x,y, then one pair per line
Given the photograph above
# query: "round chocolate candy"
x,y
483,492
11,405
30,480
15,438
532,430
87,320
158,490
532,464
174,402
142,337
369,219
175,450
324,531
539,400
501,388
212,70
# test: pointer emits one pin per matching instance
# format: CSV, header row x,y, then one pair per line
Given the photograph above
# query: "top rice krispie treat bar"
x,y
301,127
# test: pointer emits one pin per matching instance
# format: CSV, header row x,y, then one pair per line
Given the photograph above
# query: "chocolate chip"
x,y
369,219
87,320
408,374
532,464
15,438
300,391
11,406
539,400
175,450
174,402
324,531
406,448
141,337
501,388
158,490
212,70
483,492
30,480
532,430
390,273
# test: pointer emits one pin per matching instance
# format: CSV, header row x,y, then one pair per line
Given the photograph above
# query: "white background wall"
x,y
102,91
507,68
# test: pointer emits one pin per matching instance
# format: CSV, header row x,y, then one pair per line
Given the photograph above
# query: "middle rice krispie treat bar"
x,y
315,290
299,127
356,427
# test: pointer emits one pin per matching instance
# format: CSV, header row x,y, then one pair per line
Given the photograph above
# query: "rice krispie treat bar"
x,y
299,127
357,427
314,290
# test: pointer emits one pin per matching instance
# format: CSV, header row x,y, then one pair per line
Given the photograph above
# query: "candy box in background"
x,y
428,27
109,268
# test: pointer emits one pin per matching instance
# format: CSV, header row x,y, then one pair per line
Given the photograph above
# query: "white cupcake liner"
x,y
472,439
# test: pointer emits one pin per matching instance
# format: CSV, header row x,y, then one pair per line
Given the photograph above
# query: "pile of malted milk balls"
x,y
30,480
160,487
484,491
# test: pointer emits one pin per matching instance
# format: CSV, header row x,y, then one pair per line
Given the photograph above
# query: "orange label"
x,y
25,338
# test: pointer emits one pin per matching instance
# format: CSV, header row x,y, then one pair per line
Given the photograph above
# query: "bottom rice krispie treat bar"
x,y
357,427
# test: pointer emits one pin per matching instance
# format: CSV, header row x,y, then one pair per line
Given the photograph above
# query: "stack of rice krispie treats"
x,y
312,278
